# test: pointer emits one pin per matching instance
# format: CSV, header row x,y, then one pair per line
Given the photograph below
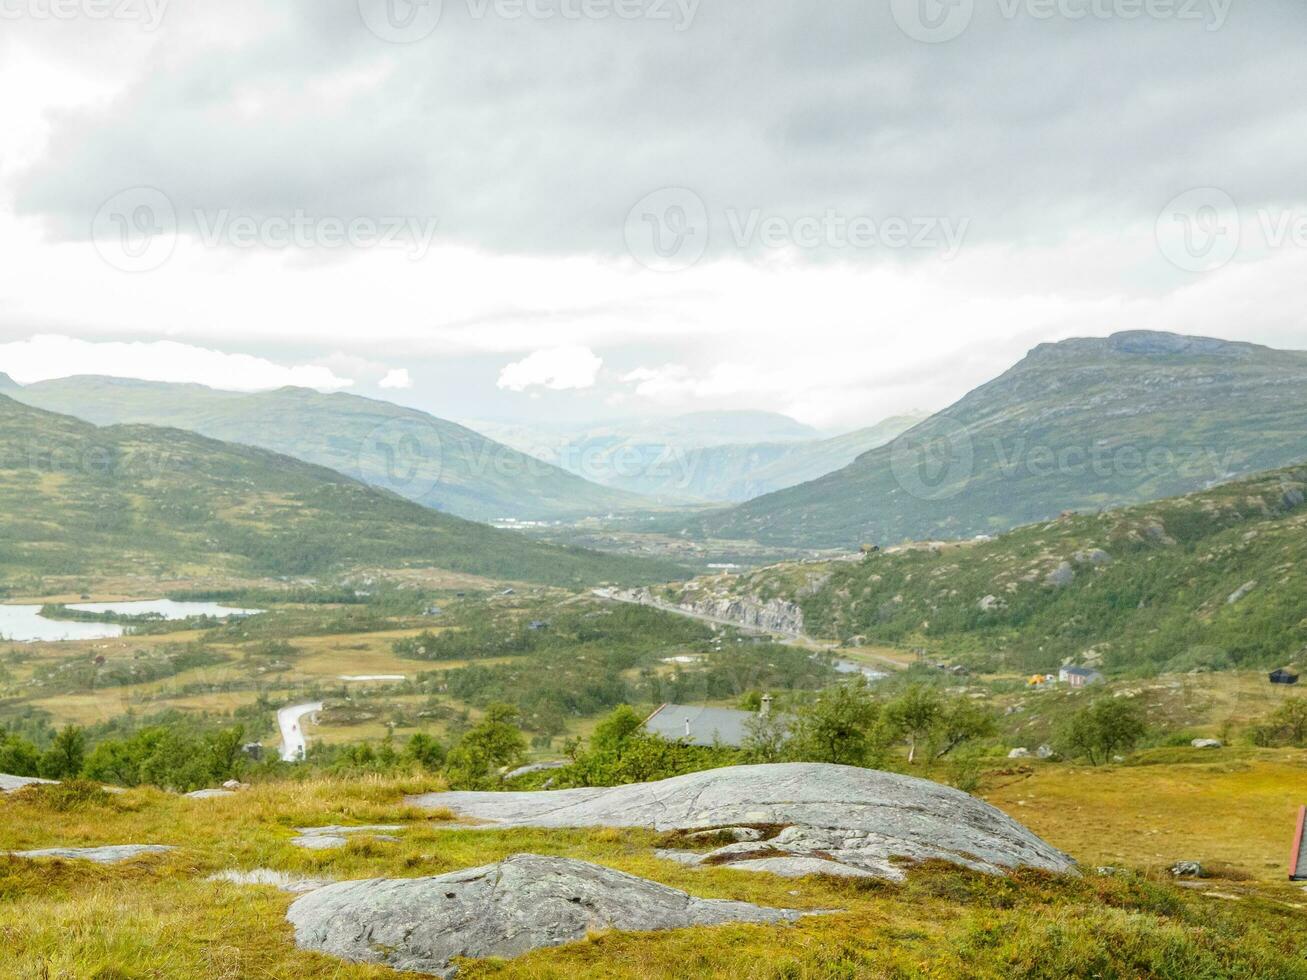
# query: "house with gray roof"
x,y
699,725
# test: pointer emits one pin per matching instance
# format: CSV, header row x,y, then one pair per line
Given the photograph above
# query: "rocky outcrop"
x,y
114,854
526,902
747,612
11,784
858,818
283,881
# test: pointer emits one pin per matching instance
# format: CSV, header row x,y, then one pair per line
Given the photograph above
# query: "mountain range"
x,y
703,457
437,463
1082,424
76,499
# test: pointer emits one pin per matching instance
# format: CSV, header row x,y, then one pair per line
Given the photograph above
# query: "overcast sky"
x,y
562,209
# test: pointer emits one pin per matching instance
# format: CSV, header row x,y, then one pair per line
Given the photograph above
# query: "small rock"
x,y
319,842
1019,754
1061,577
1187,869
235,785
113,854
209,794
1045,752
1241,592
1092,556
991,603
1207,743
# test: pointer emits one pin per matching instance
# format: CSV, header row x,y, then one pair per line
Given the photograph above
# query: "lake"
x,y
25,624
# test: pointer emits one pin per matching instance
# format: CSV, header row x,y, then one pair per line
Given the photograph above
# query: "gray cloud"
x,y
538,137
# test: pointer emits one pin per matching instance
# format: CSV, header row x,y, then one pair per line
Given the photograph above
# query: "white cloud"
x,y
47,356
558,369
396,378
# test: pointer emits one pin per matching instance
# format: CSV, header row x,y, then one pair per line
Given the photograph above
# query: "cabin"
x,y
1079,676
1284,676
699,725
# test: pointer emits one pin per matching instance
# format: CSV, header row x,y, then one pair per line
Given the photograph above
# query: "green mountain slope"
x,y
78,499
1081,424
1209,580
437,463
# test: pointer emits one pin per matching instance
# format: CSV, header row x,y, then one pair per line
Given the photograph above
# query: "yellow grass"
x,y
158,917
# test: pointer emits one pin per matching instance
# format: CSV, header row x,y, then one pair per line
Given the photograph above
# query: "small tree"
x,y
64,758
425,751
916,713
1286,725
843,726
496,743
961,720
1101,729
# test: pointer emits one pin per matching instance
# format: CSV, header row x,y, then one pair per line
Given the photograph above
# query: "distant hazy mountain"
x,y
1081,424
437,463
80,500
716,457
7,383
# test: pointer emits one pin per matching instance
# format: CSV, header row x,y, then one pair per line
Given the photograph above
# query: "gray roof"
x,y
1081,671
707,725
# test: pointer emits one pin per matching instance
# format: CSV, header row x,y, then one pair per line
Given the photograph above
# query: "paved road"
x,y
294,745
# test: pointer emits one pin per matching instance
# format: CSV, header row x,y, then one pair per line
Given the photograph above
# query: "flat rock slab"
x,y
209,794
10,784
281,880
526,902
861,818
115,854
331,838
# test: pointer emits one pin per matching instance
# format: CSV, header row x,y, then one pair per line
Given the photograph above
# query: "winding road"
x,y
294,746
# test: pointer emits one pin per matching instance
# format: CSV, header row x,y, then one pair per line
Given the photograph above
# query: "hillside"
x,y
1081,424
1211,580
75,499
686,460
439,464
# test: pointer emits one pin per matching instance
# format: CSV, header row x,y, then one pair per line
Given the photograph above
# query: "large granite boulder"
x,y
526,902
860,818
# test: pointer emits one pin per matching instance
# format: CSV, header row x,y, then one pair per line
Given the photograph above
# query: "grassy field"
x,y
160,917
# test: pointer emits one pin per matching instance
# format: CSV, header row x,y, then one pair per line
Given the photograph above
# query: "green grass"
x,y
159,918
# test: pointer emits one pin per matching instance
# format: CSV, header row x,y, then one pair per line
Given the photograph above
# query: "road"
x,y
294,745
